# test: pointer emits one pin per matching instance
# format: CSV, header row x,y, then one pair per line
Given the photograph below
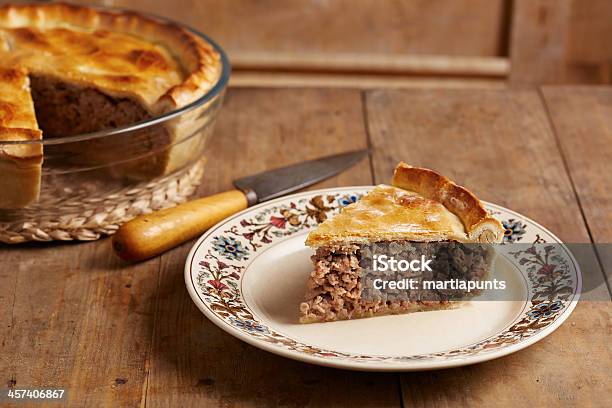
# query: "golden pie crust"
x,y
421,206
162,65
158,65
20,162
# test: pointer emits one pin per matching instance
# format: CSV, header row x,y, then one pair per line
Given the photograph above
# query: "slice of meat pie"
x,y
423,215
20,163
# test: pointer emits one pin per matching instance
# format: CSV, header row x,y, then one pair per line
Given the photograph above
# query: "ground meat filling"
x,y
340,287
64,109
334,285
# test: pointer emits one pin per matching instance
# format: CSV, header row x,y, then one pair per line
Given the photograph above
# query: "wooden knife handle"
x,y
152,234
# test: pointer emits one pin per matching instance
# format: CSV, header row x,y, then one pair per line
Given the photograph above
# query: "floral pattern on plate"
x,y
553,278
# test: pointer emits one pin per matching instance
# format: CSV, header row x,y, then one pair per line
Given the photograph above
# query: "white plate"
x,y
248,276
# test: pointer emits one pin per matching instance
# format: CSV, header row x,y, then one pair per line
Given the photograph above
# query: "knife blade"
x,y
278,182
152,234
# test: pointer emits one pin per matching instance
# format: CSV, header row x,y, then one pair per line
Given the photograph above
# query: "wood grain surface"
x,y
119,334
443,27
585,140
560,42
588,37
538,42
258,79
519,41
501,144
78,319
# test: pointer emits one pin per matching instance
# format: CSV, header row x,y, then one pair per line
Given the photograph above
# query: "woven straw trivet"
x,y
89,219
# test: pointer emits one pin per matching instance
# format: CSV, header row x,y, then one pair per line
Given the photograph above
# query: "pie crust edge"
x,y
479,225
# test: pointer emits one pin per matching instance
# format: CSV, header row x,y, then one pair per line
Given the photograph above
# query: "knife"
x,y
152,234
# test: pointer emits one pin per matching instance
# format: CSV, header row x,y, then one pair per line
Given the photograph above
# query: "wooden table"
x,y
115,334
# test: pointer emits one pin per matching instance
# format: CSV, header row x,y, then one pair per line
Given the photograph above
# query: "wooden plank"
x,y
500,144
561,41
356,81
538,41
582,119
343,62
305,27
193,362
77,319
590,32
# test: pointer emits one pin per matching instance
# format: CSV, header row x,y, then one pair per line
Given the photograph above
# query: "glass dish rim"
x,y
216,90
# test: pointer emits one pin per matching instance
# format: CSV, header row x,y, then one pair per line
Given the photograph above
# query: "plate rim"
x,y
378,366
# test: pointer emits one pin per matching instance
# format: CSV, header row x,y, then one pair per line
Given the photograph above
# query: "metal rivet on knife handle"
x,y
251,196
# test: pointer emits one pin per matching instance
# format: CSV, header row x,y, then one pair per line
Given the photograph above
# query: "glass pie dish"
x,y
92,183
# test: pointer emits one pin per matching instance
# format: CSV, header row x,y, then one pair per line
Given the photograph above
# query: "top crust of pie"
x,y
421,206
479,225
125,54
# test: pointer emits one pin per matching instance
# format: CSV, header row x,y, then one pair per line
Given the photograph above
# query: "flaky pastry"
x,y
88,69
